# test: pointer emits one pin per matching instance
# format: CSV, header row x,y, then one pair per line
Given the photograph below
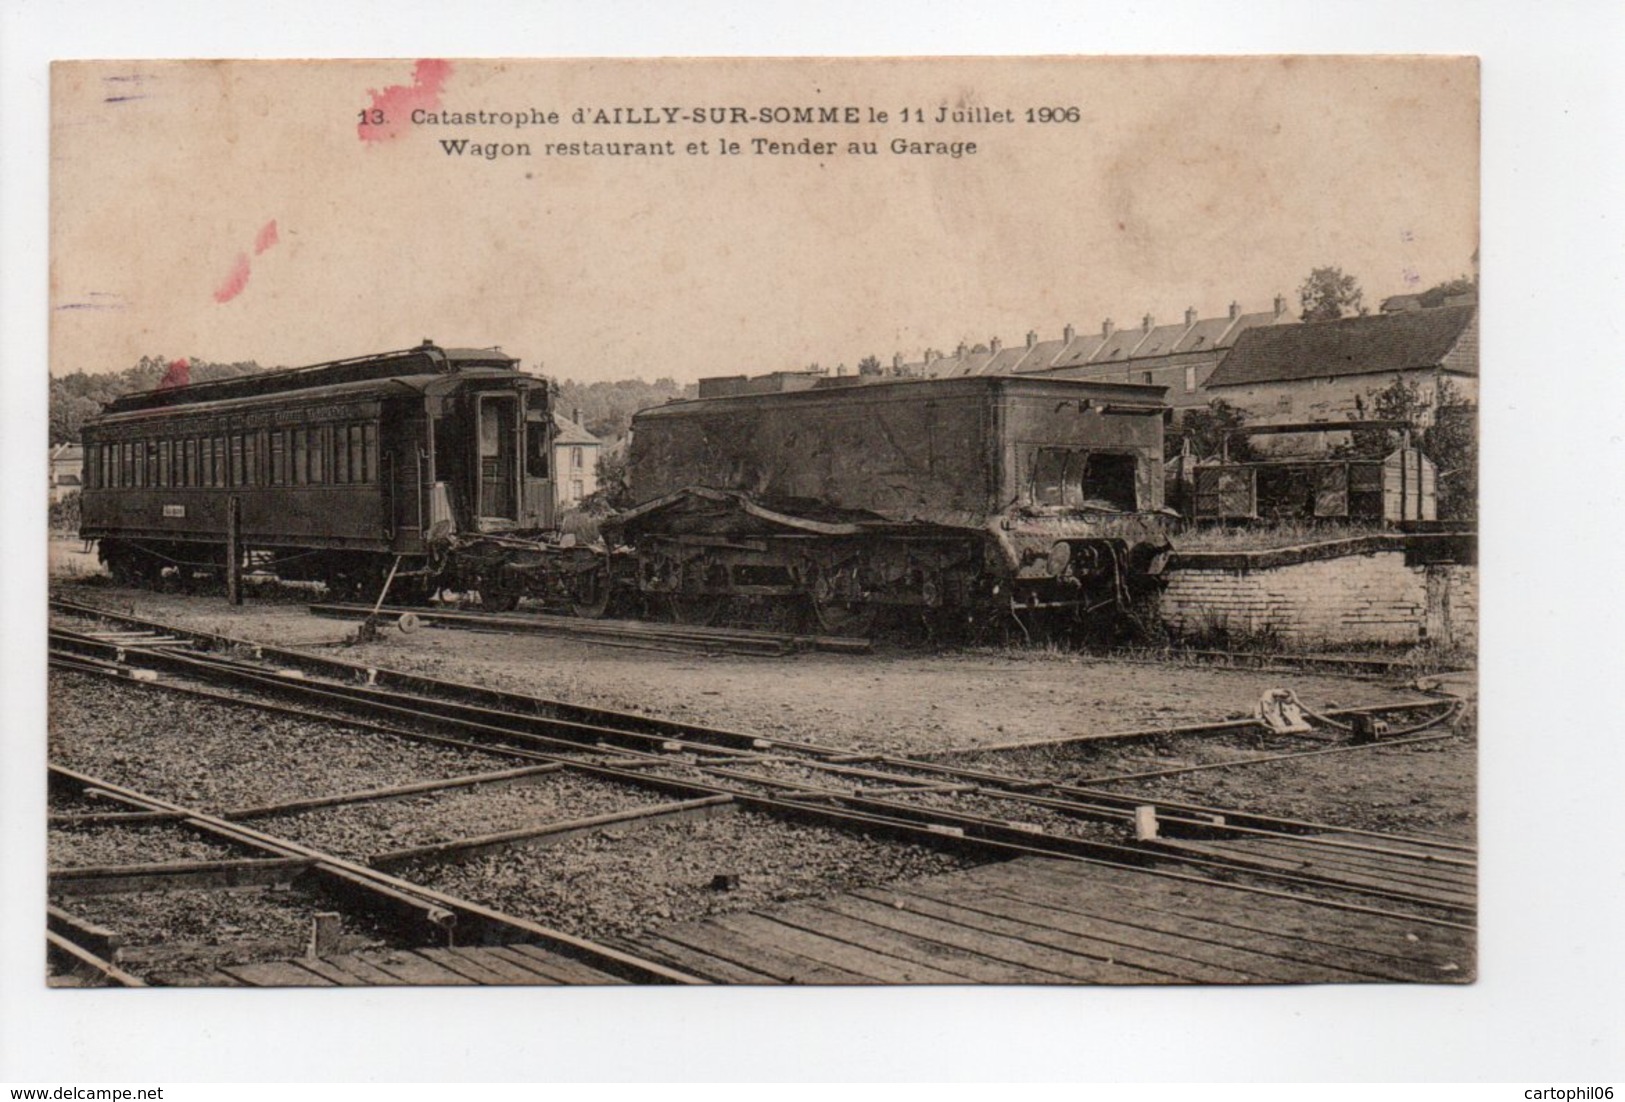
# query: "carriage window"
x,y
1049,477
536,449
369,442
318,452
1102,481
299,449
220,461
1084,479
278,459
163,462
352,447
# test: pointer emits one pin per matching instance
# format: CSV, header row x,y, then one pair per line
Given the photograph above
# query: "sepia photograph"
x,y
955,521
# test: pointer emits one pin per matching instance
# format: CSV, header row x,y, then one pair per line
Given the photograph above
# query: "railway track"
x,y
623,633
988,813
430,921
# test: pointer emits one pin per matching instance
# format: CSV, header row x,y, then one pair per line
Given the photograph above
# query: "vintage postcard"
x,y
772,522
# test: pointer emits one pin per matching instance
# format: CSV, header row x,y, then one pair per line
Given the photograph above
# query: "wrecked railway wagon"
x,y
424,468
958,497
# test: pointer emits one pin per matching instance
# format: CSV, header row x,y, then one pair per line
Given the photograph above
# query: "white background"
x,y
1549,1006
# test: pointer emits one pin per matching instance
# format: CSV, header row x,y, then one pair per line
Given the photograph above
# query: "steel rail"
x,y
1013,787
510,725
993,837
602,957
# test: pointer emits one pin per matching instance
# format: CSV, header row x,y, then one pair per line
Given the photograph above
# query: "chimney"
x,y
897,361
1147,323
994,344
961,350
575,415
1032,338
1106,328
1235,310
1190,316
1069,333
1280,305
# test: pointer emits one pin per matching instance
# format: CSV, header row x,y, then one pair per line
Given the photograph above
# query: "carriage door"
x,y
499,467
537,506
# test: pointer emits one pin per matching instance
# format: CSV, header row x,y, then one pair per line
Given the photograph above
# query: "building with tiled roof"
x,y
575,461
66,463
1330,370
1179,356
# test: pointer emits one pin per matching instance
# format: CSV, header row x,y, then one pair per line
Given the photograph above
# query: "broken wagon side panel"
x,y
904,452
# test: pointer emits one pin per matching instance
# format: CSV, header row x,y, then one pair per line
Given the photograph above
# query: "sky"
x,y
241,211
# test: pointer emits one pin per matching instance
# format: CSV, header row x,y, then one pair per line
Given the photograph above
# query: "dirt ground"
x,y
895,700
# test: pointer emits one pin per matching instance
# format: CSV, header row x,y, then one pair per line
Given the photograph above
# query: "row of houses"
x,y
1277,370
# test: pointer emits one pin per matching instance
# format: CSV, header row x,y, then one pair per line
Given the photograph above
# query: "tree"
x,y
1206,430
869,365
1445,428
607,407
1461,285
1328,294
1452,443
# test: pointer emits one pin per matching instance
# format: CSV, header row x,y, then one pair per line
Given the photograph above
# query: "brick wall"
x,y
1369,597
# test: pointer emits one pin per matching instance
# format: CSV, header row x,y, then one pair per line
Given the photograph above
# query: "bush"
x,y
65,514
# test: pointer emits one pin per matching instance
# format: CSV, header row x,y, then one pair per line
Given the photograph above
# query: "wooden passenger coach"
x,y
336,469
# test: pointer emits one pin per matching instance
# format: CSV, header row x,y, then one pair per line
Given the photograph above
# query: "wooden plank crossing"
x,y
511,965
1041,920
1445,879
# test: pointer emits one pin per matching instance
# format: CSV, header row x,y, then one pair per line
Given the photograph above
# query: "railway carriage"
x,y
953,500
342,471
957,498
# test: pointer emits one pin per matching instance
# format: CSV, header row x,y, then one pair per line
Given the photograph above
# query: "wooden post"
x,y
234,550
326,928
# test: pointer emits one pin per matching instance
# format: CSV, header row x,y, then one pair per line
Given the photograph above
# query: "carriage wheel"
x,y
844,617
589,597
837,616
131,567
499,600
696,611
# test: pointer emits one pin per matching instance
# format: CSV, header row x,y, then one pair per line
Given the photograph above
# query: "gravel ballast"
x,y
362,830
627,880
79,847
217,756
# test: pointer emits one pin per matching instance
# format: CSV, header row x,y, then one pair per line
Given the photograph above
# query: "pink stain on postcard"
x,y
391,112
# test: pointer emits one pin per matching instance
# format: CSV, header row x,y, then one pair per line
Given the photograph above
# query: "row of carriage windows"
x,y
323,455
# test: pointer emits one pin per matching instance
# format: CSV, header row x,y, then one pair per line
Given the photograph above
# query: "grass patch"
x,y
1271,536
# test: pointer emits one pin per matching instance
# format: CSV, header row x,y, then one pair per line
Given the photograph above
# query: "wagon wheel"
x,y
134,567
844,617
499,600
837,616
589,596
701,610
